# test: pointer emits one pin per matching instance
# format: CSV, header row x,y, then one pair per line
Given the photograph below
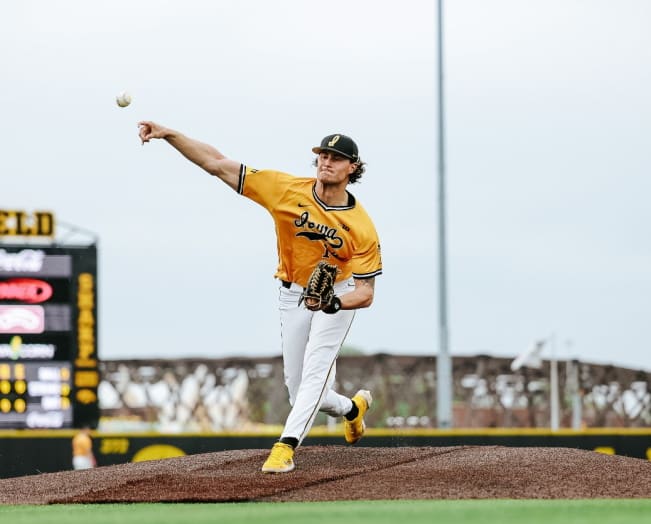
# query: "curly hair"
x,y
355,175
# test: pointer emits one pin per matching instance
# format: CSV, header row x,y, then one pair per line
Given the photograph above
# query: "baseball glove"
x,y
319,293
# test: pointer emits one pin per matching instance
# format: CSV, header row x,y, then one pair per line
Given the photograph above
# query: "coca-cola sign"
x,y
34,262
27,290
27,261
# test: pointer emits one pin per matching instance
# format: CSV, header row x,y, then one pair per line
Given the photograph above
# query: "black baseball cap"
x,y
341,144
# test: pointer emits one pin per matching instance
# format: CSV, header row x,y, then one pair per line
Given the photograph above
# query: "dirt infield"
x,y
347,473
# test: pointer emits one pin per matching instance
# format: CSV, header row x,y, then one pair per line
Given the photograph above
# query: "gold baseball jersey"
x,y
82,445
308,230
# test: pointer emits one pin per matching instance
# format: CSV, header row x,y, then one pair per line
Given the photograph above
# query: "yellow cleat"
x,y
354,429
281,459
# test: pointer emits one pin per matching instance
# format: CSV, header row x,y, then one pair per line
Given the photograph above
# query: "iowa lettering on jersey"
x,y
318,232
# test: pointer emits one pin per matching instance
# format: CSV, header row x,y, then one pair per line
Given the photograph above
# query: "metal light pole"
x,y
443,361
554,406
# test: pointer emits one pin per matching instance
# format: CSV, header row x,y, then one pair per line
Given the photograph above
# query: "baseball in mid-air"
x,y
123,99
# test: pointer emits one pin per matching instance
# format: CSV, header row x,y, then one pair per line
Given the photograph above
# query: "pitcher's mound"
x,y
347,473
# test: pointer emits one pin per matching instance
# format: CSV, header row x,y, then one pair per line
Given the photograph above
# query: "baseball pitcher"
x,y
328,258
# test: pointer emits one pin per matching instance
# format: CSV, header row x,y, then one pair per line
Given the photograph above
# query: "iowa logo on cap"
x,y
334,140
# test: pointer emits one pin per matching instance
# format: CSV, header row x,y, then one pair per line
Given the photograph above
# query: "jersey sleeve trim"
x,y
240,184
365,276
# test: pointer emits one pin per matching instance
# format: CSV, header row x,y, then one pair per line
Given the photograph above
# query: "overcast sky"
x,y
548,134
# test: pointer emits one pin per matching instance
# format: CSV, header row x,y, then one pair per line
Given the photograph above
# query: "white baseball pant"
x,y
311,342
82,462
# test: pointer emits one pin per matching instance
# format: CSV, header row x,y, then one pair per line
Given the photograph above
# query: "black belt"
x,y
286,284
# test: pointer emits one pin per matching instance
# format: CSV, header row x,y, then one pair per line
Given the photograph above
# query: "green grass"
x,y
631,511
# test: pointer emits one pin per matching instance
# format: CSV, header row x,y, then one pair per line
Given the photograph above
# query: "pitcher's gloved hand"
x,y
319,293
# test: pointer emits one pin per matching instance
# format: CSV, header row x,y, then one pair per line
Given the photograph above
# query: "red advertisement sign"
x,y
27,290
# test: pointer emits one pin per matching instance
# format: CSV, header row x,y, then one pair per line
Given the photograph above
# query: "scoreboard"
x,y
48,336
